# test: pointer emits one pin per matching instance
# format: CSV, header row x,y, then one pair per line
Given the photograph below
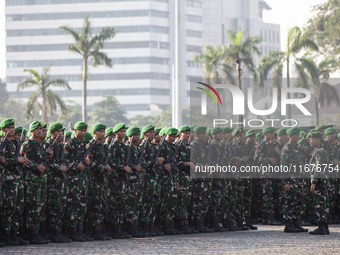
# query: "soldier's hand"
x,y
87,161
81,166
3,160
138,167
178,186
167,167
41,168
286,187
192,166
160,161
108,168
245,158
63,168
312,188
108,192
127,169
273,161
22,160
50,152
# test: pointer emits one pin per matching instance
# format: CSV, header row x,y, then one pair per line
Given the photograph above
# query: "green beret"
x,y
237,131
68,134
250,132
43,125
227,130
171,131
147,129
132,131
17,130
208,131
216,130
55,126
6,123
282,131
259,136
329,131
157,130
275,133
192,127
118,127
339,136
1,133
184,128
108,131
80,125
314,134
200,130
162,131
29,134
293,131
88,137
98,127
48,135
303,134
268,130
34,125
318,127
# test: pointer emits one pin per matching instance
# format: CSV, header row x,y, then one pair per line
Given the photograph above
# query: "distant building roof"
x,y
264,5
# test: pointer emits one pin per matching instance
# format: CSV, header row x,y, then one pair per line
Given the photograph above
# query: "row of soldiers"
x,y
125,182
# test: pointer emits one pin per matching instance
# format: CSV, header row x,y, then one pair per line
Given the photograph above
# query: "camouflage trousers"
x,y
56,202
332,189
184,196
201,193
216,197
96,203
35,201
117,200
19,215
229,200
134,203
256,198
244,196
150,199
77,200
267,192
293,200
168,197
10,197
322,201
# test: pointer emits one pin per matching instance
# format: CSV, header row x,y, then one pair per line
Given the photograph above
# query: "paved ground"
x,y
266,240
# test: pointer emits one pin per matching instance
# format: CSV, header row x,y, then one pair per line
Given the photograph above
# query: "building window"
x,y
278,36
192,3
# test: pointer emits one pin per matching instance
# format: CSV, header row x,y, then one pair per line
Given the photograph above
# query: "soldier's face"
x,y
294,138
150,134
185,135
59,132
10,130
251,139
269,135
37,132
314,142
100,134
157,138
201,137
240,137
283,138
80,133
226,136
171,138
135,138
121,134
218,136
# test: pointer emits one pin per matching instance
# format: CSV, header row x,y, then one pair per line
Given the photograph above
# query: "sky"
x,y
287,13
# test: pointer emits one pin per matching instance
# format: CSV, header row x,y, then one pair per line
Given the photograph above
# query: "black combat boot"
x,y
249,225
327,229
321,230
74,235
44,231
168,228
97,234
81,233
2,244
20,239
179,232
232,226
156,230
200,227
116,232
297,225
151,230
239,223
35,238
225,224
8,240
272,221
214,224
192,229
184,227
289,228
134,232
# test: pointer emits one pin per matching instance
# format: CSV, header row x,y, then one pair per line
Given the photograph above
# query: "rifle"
x,y
170,160
141,153
107,154
44,158
17,152
85,154
3,143
224,152
154,159
61,160
123,163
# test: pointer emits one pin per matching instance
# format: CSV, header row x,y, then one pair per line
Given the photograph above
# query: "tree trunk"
x,y
316,112
84,89
289,112
44,108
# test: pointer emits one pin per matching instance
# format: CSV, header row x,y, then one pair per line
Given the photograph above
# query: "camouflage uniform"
x,y
56,190
78,183
35,184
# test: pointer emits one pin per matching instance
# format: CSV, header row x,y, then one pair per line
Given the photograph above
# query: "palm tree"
x,y
297,40
313,76
88,45
50,100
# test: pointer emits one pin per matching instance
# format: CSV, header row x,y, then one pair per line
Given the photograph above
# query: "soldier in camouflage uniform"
x,y
56,185
97,184
35,181
264,155
118,184
292,209
77,196
319,183
11,184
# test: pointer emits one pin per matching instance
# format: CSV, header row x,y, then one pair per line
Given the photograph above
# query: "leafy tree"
x,y
73,113
43,83
4,95
89,47
108,111
141,121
